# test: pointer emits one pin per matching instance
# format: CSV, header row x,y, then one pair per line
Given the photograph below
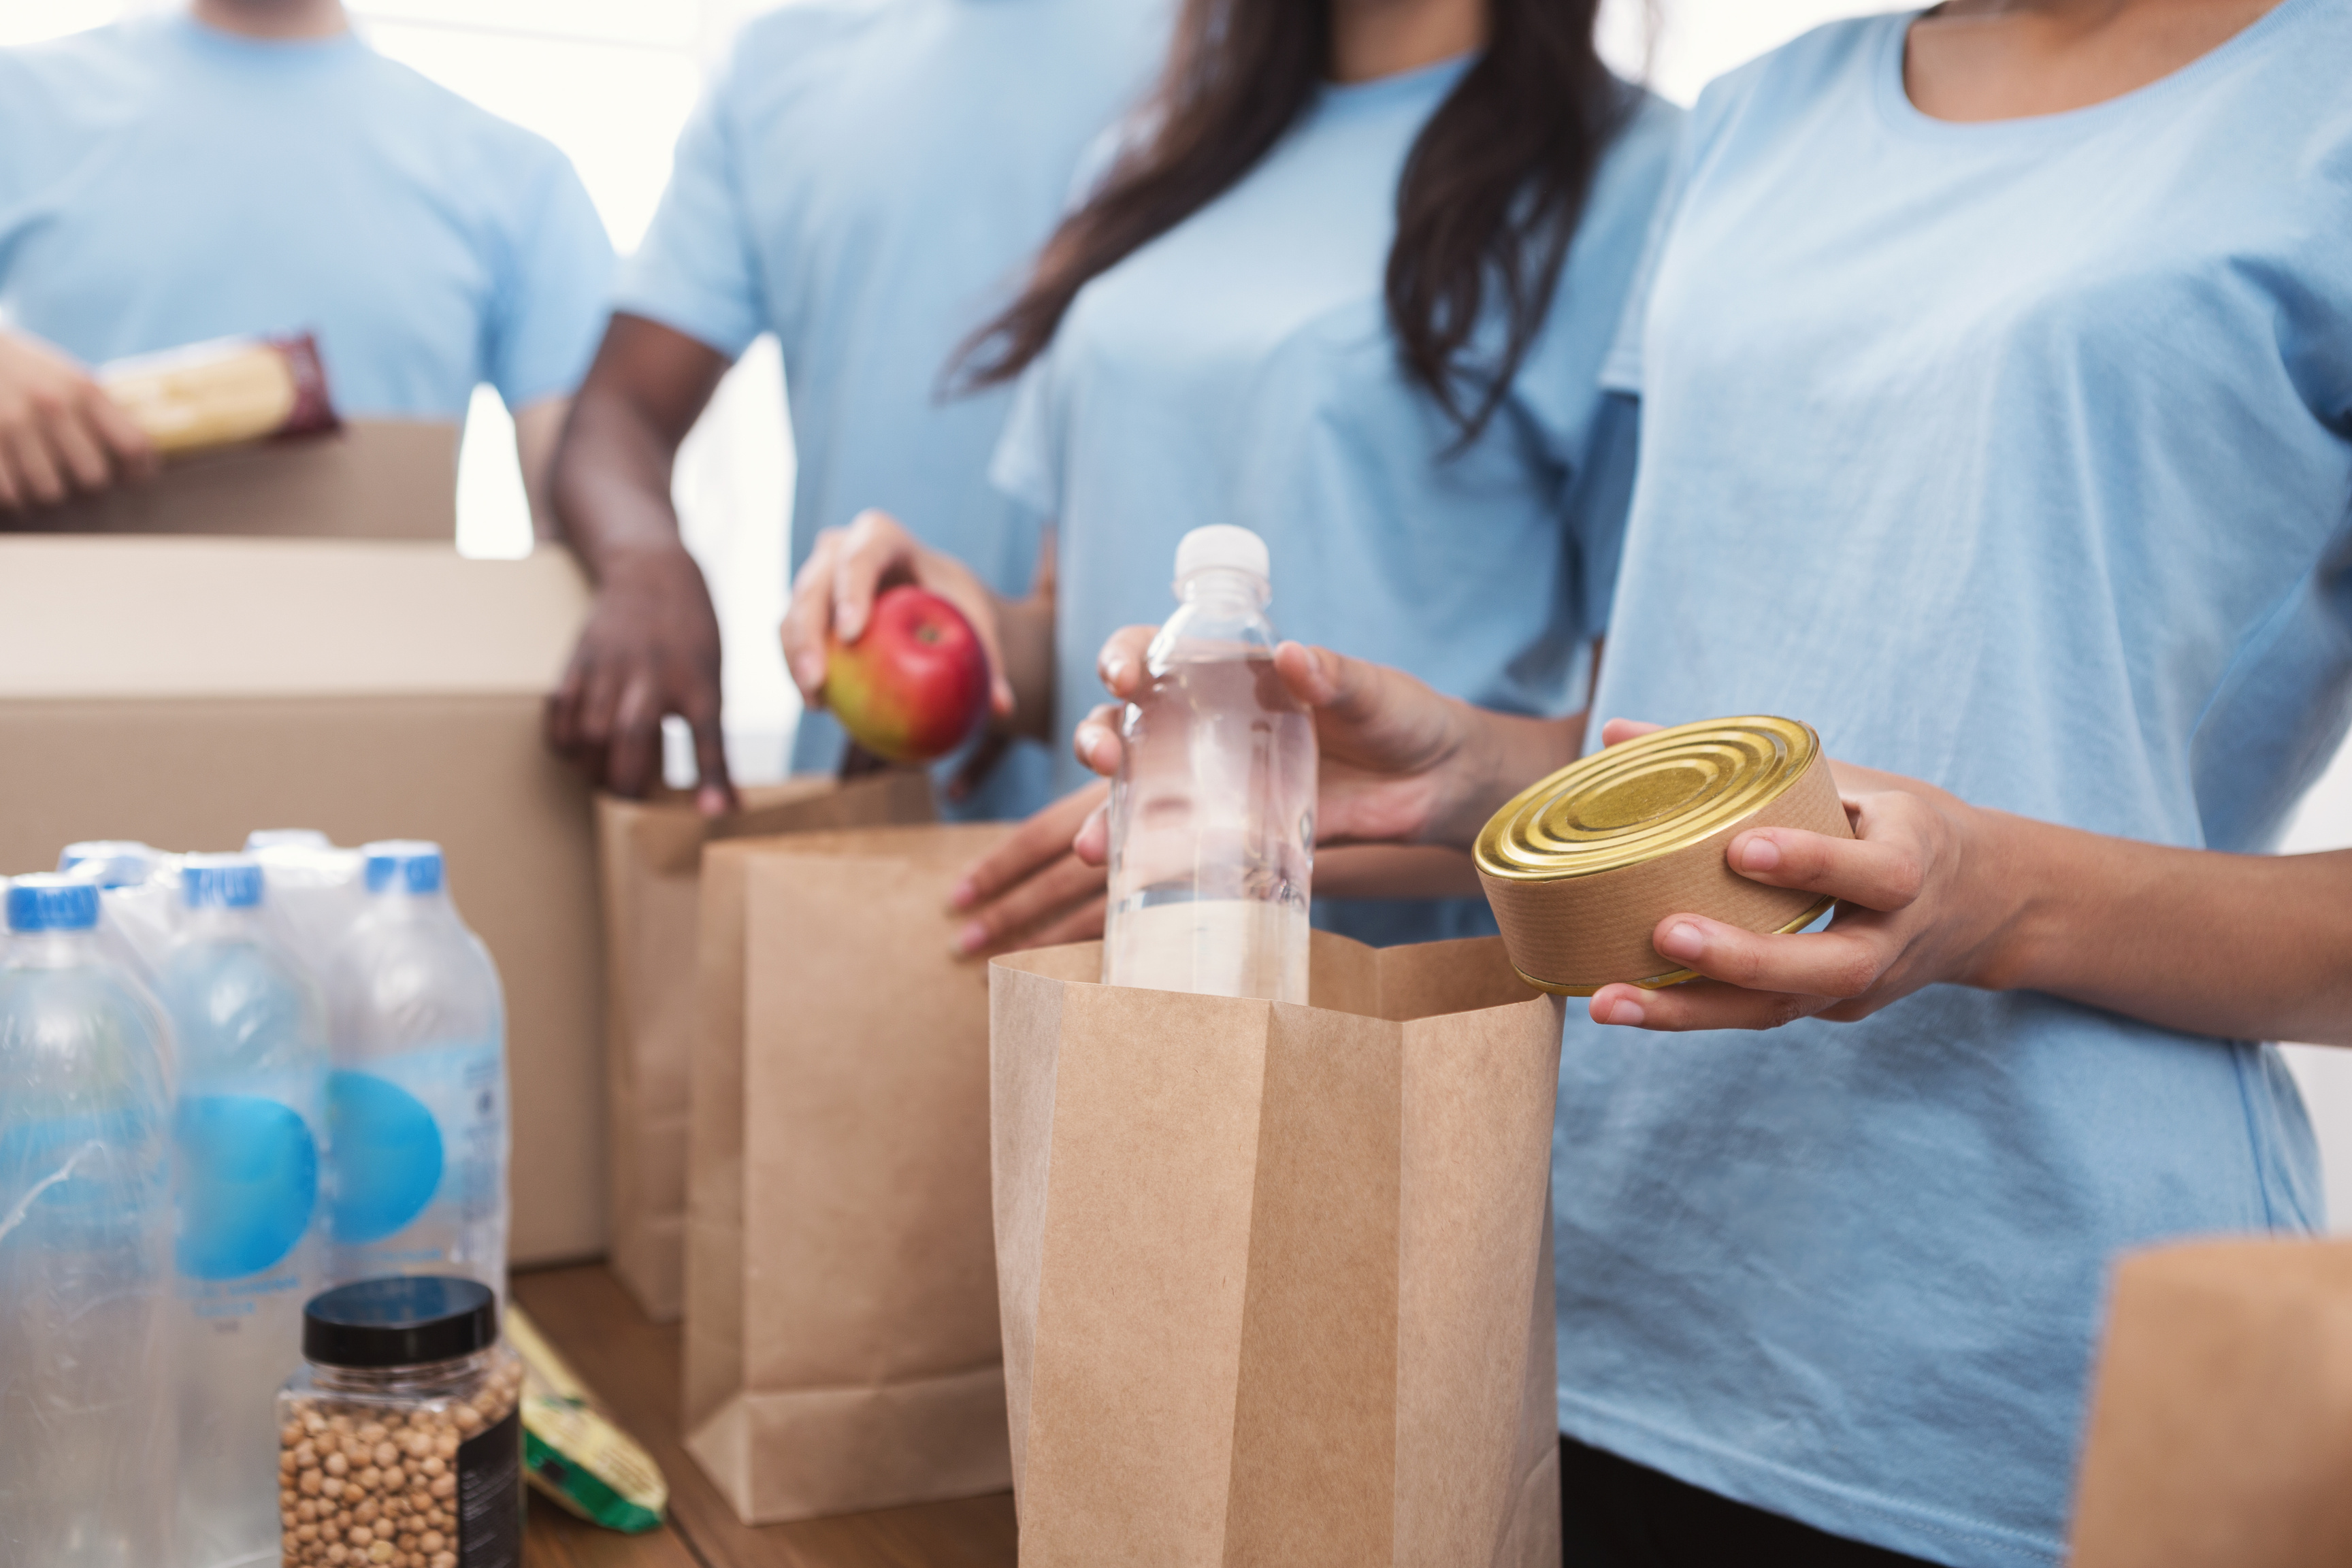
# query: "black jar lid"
x,y
402,1321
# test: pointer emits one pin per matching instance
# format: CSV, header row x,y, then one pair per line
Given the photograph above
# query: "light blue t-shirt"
x,y
869,180
162,183
1241,369
2016,457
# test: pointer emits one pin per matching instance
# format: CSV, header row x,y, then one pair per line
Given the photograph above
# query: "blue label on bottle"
x,y
249,1184
388,1156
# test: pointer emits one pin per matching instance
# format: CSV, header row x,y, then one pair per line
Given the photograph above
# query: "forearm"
x,y
2236,946
1025,630
611,484
1500,754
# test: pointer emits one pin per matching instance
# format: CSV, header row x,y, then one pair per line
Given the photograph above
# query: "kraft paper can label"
x,y
248,1177
411,1130
489,1496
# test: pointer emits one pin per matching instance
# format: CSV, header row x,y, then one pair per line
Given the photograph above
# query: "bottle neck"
x,y
54,949
1226,592
214,922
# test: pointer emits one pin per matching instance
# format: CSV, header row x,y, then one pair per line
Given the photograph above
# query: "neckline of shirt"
x,y
1397,87
277,53
1900,115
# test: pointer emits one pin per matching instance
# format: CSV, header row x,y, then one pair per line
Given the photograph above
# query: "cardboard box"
x,y
372,479
186,690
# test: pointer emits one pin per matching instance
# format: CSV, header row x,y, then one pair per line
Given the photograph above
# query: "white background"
x,y
610,81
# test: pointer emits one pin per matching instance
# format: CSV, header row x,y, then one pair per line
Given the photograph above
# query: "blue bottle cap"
x,y
412,865
220,881
50,902
110,862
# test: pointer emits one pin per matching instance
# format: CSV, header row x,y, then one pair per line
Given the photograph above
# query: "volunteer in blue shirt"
x,y
251,166
1350,289
864,178
1997,419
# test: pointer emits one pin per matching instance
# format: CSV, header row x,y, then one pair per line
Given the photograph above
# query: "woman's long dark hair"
x,y
1489,199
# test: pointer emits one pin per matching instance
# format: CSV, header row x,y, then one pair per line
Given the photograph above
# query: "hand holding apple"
x,y
915,683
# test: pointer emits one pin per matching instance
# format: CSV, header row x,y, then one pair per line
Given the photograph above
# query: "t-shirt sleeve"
x,y
552,315
697,272
1592,433
1027,466
1621,369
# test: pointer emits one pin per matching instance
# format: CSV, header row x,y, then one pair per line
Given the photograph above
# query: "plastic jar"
x,y
400,1441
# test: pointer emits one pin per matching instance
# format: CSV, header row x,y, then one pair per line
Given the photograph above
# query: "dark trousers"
x,y
1618,1514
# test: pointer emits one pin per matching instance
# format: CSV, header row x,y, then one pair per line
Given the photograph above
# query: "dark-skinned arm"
x,y
651,645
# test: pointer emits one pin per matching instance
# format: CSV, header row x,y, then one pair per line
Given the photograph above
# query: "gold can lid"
x,y
1645,798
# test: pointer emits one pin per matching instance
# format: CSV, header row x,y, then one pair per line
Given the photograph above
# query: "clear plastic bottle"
x,y
1213,814
87,1421
416,1104
316,891
138,901
252,1115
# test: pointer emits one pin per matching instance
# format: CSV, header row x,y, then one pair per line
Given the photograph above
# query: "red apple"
x,y
914,685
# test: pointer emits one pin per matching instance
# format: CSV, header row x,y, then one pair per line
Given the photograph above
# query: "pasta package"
x,y
223,392
588,1466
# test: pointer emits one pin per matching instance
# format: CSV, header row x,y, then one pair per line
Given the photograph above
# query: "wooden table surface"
x,y
632,1367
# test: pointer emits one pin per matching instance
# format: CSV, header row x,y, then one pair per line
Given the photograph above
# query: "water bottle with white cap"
x,y
1213,814
417,1100
252,1115
86,1419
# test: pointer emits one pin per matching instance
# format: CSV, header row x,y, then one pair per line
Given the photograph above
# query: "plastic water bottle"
x,y
416,1104
315,891
1213,814
139,902
252,1113
87,1421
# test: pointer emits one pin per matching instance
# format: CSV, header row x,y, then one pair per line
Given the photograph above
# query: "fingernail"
x,y
1685,941
973,937
962,894
1114,671
1628,1013
1759,854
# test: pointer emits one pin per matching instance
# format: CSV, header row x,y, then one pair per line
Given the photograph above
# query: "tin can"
x,y
1582,866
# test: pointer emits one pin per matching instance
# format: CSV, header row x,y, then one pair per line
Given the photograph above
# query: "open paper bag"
x,y
2221,1432
651,862
842,1350
1276,1280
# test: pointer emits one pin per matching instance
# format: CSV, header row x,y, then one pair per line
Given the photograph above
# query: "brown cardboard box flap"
x,y
2221,1431
371,478
650,853
842,1347
1274,1279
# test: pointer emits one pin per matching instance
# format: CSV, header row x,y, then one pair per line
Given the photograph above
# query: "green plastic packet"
x,y
572,1454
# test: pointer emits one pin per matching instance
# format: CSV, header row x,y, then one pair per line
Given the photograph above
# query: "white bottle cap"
x,y
1222,546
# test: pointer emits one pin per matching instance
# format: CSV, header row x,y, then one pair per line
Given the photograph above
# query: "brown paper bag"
x,y
1276,1280
842,1350
651,864
2221,1432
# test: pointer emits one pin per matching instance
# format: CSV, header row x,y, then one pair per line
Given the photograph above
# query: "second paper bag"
x,y
841,1340
1276,1280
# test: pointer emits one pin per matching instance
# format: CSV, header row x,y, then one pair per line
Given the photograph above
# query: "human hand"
x,y
1399,763
1924,895
833,595
1032,891
650,648
59,432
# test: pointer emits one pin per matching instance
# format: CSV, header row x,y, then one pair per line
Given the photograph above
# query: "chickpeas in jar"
x,y
400,1441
